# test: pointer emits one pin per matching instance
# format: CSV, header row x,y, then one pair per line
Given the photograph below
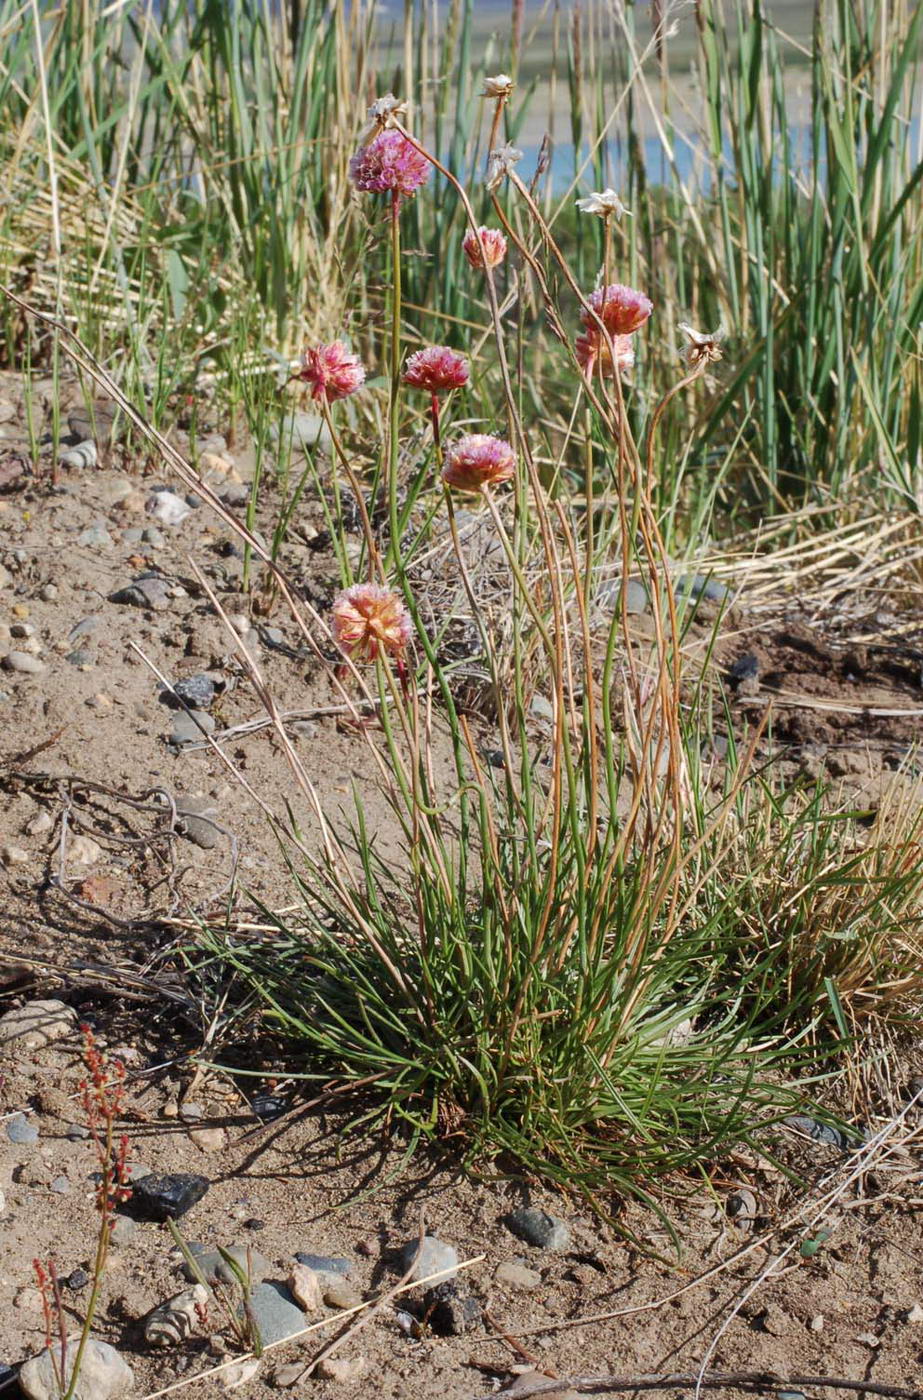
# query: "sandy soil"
x,y
83,735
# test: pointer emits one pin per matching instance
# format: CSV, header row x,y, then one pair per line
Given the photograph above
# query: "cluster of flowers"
x,y
370,620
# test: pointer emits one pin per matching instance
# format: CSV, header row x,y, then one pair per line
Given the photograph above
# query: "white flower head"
x,y
499,86
500,164
702,347
605,203
384,112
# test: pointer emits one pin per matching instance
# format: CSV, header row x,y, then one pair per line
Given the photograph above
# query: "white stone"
x,y
13,855
40,823
168,508
335,1368
102,1374
36,1024
236,1376
177,1319
83,850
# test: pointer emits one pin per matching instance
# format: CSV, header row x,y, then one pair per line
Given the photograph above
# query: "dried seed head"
x,y
605,203
702,347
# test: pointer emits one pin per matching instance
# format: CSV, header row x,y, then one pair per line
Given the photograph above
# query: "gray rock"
x,y
151,535
133,535
513,1275
76,1132
431,1259
95,536
697,586
305,431
61,1185
35,1024
539,1228
820,1132
25,663
198,691
123,1231
103,1373
190,728
81,657
215,1269
277,1314
85,626
236,493
636,599
21,1130
146,591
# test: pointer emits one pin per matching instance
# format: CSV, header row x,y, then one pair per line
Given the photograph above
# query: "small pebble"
x,y
339,1292
13,855
539,1228
514,1275
95,537
341,1369
61,1185
123,1231
21,1130
24,663
36,1023
431,1259
198,691
77,1279
208,1139
190,728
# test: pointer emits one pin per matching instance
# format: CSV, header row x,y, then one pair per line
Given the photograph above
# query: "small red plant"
x,y
101,1094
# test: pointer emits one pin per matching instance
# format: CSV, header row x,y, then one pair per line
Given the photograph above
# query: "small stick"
x,y
756,1381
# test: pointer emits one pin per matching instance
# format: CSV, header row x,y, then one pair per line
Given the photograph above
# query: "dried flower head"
x,y
369,620
484,247
477,460
389,163
605,203
383,113
500,164
437,368
593,353
501,85
702,347
621,309
332,372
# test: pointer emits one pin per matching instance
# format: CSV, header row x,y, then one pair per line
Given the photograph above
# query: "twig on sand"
x,y
758,1382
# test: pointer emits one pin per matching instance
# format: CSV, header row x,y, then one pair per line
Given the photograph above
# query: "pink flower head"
x,y
369,620
621,309
437,368
592,350
478,460
332,372
484,248
389,163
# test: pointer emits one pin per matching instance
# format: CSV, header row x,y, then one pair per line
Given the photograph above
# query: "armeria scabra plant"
x,y
515,979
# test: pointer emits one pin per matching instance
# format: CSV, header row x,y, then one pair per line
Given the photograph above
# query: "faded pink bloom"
x,y
621,309
332,372
592,350
478,460
389,163
368,620
437,368
485,248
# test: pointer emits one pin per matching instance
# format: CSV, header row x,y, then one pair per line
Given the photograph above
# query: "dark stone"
x,y
449,1312
539,1228
147,591
269,1106
167,1197
197,691
254,1224
820,1132
745,668
77,1279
